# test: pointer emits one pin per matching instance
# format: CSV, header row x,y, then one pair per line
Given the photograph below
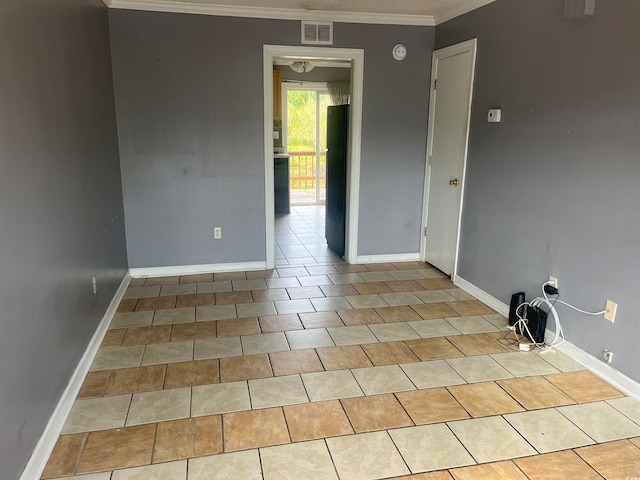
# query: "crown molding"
x,y
460,10
270,13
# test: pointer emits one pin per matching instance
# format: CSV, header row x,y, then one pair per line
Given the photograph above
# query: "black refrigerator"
x,y
336,202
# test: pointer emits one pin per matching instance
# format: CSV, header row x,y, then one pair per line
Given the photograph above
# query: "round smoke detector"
x,y
399,52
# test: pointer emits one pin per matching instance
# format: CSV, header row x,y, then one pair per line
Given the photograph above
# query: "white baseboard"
x,y
195,269
499,306
393,257
40,456
623,383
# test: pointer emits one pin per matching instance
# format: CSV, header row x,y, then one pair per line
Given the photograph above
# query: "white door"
x,y
451,88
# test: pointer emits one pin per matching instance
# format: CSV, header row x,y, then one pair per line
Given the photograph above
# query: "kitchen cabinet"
x,y
277,95
281,183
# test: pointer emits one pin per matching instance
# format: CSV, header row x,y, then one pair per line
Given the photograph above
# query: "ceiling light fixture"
x,y
302,67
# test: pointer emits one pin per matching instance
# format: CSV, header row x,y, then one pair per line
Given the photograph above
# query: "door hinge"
x,y
435,84
425,231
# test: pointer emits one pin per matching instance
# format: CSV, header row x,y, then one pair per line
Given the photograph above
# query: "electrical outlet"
x,y
611,308
554,282
607,356
217,233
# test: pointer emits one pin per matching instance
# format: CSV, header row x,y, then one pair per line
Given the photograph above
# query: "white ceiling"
x,y
404,12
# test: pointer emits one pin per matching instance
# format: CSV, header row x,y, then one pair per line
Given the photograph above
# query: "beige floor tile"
x,y
261,274
635,441
153,281
397,299
485,399
188,438
385,268
65,455
277,391
269,295
366,456
436,284
472,324
397,314
249,284
366,301
601,421
476,344
168,353
157,303
346,278
237,327
434,405
615,460
351,268
315,280
117,357
320,320
189,374
299,293
436,327
89,476
359,316
482,368
331,385
92,414
407,274
113,338
284,272
217,348
174,315
294,362
226,276
434,296
494,471
322,269
584,386
309,421
355,335
433,348
127,305
244,465
341,358
392,332
181,289
330,303
535,392
628,406
434,310
284,307
548,431
288,282
256,309
490,439
293,462
163,405
227,298
459,294
373,287
557,466
385,379
94,384
144,335
190,331
524,364
142,292
137,379
377,412
499,321
560,360
430,447
436,373
132,319
127,447
280,323
220,398
389,353
313,338
195,300
403,286
254,429
470,307
214,287
264,343
196,278
215,312
439,475
172,470
338,290
233,369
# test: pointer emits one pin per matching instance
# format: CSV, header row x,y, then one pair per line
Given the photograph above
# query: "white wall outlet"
x,y
217,233
607,356
611,308
494,115
94,285
554,282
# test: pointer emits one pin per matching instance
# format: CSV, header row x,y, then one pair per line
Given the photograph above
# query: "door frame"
x,y
356,56
470,46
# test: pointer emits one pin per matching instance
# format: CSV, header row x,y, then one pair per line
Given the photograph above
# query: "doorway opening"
x,y
305,140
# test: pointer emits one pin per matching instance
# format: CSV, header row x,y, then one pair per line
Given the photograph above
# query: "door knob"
x,y
453,182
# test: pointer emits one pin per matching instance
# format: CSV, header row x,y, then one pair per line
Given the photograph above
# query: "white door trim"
x,y
470,46
355,133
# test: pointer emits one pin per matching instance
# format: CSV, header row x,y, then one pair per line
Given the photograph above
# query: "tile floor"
x,y
324,370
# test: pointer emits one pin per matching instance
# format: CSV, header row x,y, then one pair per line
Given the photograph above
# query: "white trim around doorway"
x,y
356,56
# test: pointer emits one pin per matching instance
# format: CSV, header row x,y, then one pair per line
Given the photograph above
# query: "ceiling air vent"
x,y
317,33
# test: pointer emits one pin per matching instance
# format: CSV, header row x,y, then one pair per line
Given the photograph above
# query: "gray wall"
x,y
553,189
61,215
189,100
318,74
